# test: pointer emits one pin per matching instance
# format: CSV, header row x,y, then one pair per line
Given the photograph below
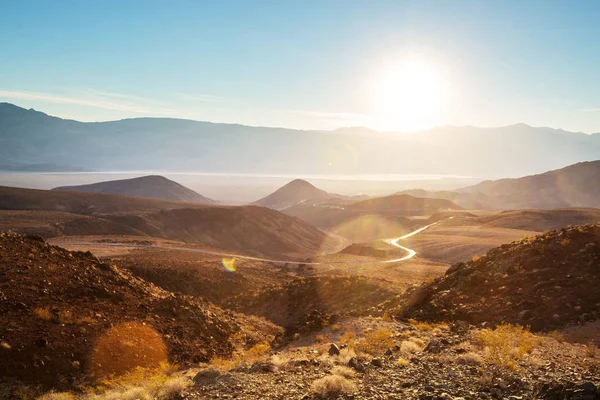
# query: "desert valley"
x,y
305,200
144,288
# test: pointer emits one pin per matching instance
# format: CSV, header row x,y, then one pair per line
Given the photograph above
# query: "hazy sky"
x,y
400,65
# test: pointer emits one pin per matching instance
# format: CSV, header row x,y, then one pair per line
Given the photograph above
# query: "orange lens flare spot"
x,y
228,264
126,348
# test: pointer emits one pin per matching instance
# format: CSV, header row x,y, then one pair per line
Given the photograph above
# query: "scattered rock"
x,y
207,376
377,362
355,364
334,350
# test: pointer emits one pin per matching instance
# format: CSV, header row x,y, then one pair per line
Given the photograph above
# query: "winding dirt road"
x,y
392,242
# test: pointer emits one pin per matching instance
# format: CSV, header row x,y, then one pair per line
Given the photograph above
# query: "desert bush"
x,y
469,358
343,371
332,386
376,342
142,384
506,345
348,338
401,362
407,347
258,352
421,326
419,342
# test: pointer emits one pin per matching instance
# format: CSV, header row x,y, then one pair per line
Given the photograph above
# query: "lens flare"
x,y
125,348
228,264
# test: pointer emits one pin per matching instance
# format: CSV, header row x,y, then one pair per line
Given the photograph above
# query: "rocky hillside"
x,y
64,317
149,187
546,282
308,304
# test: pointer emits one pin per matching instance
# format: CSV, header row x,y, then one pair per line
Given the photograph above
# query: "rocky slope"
x,y
58,310
546,282
309,304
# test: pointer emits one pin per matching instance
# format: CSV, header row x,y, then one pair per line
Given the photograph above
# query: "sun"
x,y
408,97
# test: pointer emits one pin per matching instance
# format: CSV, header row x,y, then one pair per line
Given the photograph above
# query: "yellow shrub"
x,y
505,345
376,342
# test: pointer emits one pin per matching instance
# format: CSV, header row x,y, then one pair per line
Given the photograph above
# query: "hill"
x,y
149,187
371,219
545,282
291,194
252,230
577,185
465,200
542,220
404,204
139,144
68,319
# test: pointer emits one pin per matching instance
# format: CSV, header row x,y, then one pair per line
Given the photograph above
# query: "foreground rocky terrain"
x,y
546,282
62,315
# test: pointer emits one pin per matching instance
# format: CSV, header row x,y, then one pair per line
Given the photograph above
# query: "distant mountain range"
x,y
32,137
149,187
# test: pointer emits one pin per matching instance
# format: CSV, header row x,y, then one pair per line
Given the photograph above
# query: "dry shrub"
x,y
345,355
336,327
376,342
421,326
407,347
322,339
332,386
138,385
348,338
506,345
258,352
591,350
418,341
470,358
280,361
401,362
343,371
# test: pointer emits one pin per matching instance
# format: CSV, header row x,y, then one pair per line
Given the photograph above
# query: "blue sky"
x,y
306,64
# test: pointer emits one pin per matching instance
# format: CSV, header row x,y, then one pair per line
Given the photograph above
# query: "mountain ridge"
x,y
139,144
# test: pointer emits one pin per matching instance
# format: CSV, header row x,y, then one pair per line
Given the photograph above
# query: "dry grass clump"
x,y
376,342
349,338
506,345
332,386
141,384
256,353
343,371
408,347
401,362
470,358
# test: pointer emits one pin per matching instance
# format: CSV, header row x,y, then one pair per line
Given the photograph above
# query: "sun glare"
x,y
408,97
